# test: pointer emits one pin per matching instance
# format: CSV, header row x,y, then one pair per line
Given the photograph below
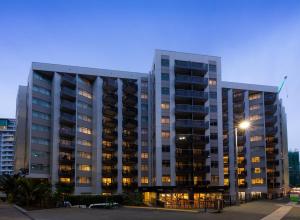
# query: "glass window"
x,y
144,180
254,96
165,76
40,102
85,94
41,128
212,82
84,105
165,134
212,67
257,170
41,90
84,180
256,138
85,130
84,142
255,159
85,155
166,179
144,155
165,90
84,117
40,115
41,141
144,167
165,62
165,105
84,167
41,78
165,120
144,96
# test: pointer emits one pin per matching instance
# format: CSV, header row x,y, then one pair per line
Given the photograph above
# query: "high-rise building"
x,y
261,148
7,145
294,168
109,131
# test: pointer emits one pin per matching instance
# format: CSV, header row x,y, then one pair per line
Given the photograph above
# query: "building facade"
x,y
7,145
109,131
294,168
262,148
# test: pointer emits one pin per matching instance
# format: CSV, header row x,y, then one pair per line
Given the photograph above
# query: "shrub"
x,y
92,199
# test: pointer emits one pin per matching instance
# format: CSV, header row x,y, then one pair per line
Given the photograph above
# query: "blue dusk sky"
x,y
258,40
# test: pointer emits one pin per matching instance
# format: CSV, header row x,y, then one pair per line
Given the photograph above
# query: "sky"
x,y
258,40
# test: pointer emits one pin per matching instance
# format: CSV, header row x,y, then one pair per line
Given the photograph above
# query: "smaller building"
x,y
7,145
294,169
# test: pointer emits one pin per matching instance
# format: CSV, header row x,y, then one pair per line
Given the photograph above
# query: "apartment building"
x,y
294,168
259,152
7,145
161,132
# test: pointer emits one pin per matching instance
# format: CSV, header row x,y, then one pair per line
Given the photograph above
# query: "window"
x,y
226,182
85,155
166,179
165,90
225,159
165,76
40,102
255,159
41,90
106,181
84,180
257,181
254,96
126,181
144,155
39,154
241,182
226,170
144,143
144,167
85,130
166,148
212,67
85,94
165,134
144,96
213,108
165,62
213,95
84,105
40,115
256,138
212,82
84,81
64,180
84,118
84,142
41,141
166,163
144,180
165,105
41,128
41,78
254,107
144,120
255,117
165,120
213,122
84,167
257,170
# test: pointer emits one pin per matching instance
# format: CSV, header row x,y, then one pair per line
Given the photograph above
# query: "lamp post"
x,y
242,125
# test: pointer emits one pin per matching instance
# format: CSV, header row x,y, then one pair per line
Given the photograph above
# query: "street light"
x,y
243,125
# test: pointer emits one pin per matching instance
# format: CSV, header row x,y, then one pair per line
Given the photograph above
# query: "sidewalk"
x,y
8,212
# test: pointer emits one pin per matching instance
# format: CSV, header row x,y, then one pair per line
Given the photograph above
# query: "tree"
x,y
9,185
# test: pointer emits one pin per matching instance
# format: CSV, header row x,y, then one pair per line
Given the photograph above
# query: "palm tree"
x,y
9,185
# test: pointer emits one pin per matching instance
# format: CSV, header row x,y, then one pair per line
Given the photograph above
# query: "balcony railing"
x,y
68,106
68,80
270,109
191,80
192,123
191,94
68,93
192,108
70,132
67,118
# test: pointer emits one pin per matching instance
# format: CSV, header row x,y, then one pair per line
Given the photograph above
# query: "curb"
x,y
23,211
163,209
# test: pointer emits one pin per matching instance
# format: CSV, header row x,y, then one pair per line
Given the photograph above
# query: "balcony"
x,y
110,85
130,173
130,88
130,160
66,160
270,120
68,80
67,119
67,132
130,137
67,145
238,108
200,81
110,123
182,139
130,112
132,149
242,152
270,131
238,97
130,100
272,141
110,111
201,183
109,173
66,173
181,93
109,160
270,98
244,185
201,171
192,109
241,139
111,135
201,156
129,123
67,93
187,67
68,106
112,148
270,109
110,99
188,123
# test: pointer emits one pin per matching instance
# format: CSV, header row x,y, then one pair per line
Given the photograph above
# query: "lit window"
x,y
257,181
84,118
106,181
257,170
255,117
165,134
85,94
255,159
226,170
126,181
256,138
144,155
212,82
254,96
144,96
226,182
166,179
241,182
165,120
84,180
225,159
254,107
85,130
144,167
65,180
240,170
84,142
85,167
85,155
144,180
165,105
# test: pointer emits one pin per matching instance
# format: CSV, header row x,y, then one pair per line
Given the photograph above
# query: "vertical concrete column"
x,y
247,143
231,145
120,133
97,136
139,130
220,131
54,152
265,146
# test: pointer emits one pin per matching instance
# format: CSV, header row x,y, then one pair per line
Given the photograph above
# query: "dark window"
x,y
213,122
166,148
213,108
165,91
212,67
165,76
214,150
166,163
213,95
214,136
165,62
214,164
